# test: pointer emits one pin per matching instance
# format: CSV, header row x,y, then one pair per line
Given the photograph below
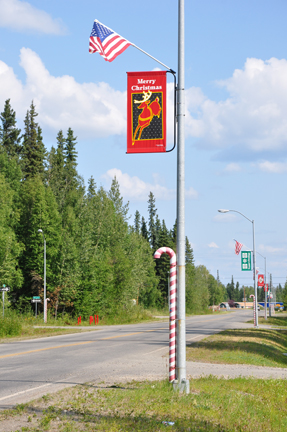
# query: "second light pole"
x,y
45,303
254,260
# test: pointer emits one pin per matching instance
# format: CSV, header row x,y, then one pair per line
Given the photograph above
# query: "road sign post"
x,y
36,300
4,289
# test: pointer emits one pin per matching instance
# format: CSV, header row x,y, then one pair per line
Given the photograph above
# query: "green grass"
x,y
249,346
278,321
213,405
10,326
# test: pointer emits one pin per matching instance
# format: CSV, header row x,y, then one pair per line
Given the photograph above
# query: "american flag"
x,y
238,247
106,42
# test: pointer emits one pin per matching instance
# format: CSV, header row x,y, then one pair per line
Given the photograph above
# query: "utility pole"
x,y
182,384
270,287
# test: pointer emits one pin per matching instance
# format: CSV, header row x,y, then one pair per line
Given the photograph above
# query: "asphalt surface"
x,y
109,354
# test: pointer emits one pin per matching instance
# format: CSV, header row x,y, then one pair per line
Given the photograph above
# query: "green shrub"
x,y
10,326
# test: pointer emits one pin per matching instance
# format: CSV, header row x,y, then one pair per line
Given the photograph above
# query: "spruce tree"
x,y
60,156
151,220
163,264
137,226
117,200
34,152
70,166
231,290
144,231
237,292
9,134
56,175
91,188
189,259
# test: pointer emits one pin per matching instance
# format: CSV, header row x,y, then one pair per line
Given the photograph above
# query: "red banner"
x,y
146,119
260,280
266,287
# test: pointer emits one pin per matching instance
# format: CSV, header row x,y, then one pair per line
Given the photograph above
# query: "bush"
x,y
10,326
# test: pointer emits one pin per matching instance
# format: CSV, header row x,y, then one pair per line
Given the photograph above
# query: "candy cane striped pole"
x,y
172,309
254,311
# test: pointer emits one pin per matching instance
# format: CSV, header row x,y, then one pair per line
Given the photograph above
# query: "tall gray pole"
x,y
254,259
182,383
45,303
270,286
265,292
254,275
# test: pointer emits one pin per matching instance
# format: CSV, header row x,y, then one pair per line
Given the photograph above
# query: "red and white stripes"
x,y
254,311
172,309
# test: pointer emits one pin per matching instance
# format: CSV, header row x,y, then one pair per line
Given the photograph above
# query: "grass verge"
x,y
16,326
260,347
29,332
213,405
277,321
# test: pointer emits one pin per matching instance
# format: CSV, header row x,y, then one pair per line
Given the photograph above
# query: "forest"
x,y
98,260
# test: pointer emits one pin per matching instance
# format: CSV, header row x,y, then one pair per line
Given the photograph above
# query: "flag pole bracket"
x,y
175,113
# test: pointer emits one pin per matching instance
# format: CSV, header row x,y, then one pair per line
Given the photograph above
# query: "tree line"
x,y
97,259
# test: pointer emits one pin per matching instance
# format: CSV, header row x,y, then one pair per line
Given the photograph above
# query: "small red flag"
x,y
238,247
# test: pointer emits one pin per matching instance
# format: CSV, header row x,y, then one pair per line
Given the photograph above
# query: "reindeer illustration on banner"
x,y
149,111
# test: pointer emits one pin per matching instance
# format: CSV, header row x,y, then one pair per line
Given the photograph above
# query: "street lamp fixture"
x,y
45,303
254,260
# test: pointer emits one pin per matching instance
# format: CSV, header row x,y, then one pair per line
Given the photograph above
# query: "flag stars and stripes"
x,y
238,247
106,42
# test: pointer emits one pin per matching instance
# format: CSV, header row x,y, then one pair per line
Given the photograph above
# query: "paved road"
x,y
32,368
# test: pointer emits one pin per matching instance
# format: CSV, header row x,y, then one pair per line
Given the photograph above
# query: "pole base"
x,y
181,387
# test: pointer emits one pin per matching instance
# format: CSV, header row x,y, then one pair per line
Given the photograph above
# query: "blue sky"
x,y
236,110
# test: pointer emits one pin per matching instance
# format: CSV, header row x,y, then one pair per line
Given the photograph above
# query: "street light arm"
x,y
236,211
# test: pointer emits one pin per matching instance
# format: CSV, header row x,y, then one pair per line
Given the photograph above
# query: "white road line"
x,y
159,349
187,340
24,391
166,347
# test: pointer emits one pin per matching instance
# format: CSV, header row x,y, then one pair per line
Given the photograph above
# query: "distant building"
x,y
247,305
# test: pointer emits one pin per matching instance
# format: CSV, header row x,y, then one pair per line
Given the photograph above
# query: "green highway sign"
x,y
245,260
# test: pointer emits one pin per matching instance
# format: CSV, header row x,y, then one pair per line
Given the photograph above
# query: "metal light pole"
x,y
270,293
182,384
45,303
254,259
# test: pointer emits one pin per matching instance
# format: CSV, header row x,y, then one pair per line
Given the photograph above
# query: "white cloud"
x,y
273,167
135,189
253,119
270,249
191,193
232,168
213,245
91,109
224,217
254,116
22,16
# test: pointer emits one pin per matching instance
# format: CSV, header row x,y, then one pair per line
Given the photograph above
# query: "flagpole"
x,y
132,44
172,71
